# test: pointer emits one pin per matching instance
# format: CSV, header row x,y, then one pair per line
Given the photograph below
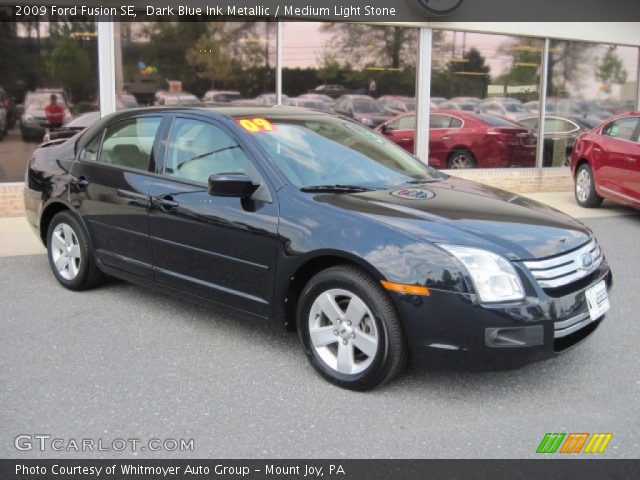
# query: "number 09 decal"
x,y
256,125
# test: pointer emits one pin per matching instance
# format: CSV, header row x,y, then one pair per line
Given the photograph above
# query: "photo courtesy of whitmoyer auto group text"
x,y
319,239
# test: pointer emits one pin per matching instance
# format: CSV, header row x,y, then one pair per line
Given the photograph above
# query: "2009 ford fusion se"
x,y
323,226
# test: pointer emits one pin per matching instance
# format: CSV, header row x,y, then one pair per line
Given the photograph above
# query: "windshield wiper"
x,y
338,188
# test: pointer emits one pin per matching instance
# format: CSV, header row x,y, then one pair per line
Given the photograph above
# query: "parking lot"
x,y
124,362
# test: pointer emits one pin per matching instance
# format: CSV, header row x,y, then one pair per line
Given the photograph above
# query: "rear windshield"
x,y
495,121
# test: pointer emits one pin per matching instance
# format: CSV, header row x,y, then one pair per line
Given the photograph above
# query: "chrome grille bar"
x,y
566,268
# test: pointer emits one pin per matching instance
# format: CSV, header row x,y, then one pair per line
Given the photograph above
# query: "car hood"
x,y
456,211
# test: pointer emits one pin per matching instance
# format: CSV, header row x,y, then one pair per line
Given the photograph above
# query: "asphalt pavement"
x,y
124,362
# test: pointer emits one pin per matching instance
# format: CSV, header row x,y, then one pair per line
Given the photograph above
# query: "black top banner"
x,y
337,10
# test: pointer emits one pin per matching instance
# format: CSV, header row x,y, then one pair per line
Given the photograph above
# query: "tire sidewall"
x,y
376,372
85,250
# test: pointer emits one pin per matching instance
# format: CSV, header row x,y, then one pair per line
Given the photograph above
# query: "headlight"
x,y
29,119
366,121
494,277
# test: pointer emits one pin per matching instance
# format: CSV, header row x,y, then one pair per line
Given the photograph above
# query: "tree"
x,y
69,66
610,69
363,45
469,77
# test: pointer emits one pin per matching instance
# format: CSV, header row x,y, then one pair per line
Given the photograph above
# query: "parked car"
x,y
262,100
361,108
305,102
467,140
395,104
324,227
221,96
73,127
8,118
33,122
474,100
606,162
438,100
510,110
560,134
319,97
449,105
181,98
333,91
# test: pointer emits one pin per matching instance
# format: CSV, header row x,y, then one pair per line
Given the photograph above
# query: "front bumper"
x,y
452,328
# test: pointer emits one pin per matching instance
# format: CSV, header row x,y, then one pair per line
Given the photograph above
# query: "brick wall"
x,y
515,180
521,180
11,200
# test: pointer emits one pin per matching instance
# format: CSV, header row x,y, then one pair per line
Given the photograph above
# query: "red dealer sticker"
x,y
256,125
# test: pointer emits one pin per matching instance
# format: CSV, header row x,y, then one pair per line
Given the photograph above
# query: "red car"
x,y
606,162
467,140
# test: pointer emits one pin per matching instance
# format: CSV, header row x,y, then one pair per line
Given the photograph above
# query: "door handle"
x,y
631,160
446,137
596,149
136,198
165,202
406,139
81,182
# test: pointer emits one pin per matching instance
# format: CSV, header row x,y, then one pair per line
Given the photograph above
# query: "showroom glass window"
x,y
375,65
37,59
587,84
194,63
497,76
198,149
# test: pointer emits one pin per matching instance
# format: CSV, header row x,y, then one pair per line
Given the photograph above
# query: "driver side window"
x,y
197,150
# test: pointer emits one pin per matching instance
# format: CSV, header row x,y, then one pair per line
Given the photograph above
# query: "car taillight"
x,y
503,137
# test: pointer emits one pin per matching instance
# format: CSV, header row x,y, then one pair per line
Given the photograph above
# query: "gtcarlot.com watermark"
x,y
45,442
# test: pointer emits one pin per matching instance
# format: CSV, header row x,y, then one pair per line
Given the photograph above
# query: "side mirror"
x,y
231,185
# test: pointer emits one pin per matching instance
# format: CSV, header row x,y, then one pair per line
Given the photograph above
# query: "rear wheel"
x,y
350,329
461,159
585,188
70,255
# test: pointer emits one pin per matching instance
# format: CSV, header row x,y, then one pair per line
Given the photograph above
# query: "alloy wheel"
x,y
343,331
65,251
460,161
583,185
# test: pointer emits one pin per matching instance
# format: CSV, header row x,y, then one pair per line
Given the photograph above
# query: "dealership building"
x,y
567,73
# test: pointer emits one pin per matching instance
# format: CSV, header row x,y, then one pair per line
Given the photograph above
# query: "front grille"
x,y
567,268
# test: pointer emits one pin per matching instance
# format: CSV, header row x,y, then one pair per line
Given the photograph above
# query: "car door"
x,y
618,154
631,184
444,133
219,248
402,132
109,184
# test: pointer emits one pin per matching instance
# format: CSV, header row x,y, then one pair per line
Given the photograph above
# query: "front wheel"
x,y
585,188
70,255
350,329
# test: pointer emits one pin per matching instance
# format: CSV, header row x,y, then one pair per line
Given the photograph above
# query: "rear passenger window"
x,y
623,129
129,143
198,150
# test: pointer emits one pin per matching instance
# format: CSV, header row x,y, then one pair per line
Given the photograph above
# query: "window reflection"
x,y
40,61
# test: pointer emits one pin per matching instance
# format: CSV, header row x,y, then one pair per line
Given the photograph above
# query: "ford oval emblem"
x,y
413,194
586,261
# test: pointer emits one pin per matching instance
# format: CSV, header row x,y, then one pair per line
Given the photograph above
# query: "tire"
x,y
70,254
461,159
585,188
379,332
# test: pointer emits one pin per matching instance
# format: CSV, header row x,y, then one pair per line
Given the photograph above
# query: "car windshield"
x,y
331,151
515,108
39,102
367,106
496,121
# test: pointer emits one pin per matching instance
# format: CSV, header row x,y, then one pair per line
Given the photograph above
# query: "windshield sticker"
x,y
414,194
256,125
